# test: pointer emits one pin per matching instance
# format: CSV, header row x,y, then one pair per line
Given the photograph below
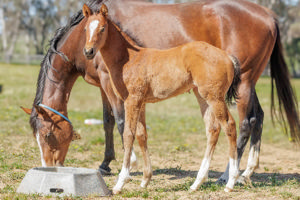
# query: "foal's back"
x,y
167,73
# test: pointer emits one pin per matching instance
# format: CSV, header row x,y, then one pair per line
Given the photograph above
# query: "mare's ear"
x,y
41,111
86,10
104,10
76,136
56,118
26,110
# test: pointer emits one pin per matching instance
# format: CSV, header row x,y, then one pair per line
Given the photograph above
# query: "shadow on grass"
x,y
258,179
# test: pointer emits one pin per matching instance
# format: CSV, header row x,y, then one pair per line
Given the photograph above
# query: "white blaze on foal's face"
x,y
92,27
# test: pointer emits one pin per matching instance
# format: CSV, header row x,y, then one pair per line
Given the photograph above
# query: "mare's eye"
x,y
102,29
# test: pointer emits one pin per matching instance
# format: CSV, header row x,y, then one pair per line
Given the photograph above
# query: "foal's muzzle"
x,y
89,53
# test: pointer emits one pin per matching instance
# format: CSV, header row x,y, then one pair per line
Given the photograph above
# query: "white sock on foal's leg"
x,y
124,177
202,175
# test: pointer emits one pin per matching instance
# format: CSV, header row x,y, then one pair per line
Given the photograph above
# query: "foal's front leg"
x,y
132,110
141,135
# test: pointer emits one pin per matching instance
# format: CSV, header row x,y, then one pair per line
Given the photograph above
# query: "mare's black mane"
x,y
46,62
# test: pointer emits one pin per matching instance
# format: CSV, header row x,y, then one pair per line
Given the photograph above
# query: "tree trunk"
x,y
2,23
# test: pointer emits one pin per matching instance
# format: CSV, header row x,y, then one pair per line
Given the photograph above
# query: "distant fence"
x,y
22,59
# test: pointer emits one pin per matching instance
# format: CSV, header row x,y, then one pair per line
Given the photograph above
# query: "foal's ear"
x,y
104,10
86,10
26,110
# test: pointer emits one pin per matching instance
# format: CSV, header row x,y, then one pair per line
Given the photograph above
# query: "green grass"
x,y
176,141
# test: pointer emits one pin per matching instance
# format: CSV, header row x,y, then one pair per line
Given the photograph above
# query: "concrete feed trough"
x,y
63,181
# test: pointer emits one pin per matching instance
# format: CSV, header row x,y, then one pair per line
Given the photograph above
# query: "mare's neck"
x,y
57,87
59,81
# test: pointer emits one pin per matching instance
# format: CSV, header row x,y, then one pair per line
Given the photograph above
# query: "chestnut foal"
x,y
142,75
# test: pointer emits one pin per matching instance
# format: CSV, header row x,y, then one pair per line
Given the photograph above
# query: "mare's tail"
x,y
286,96
232,91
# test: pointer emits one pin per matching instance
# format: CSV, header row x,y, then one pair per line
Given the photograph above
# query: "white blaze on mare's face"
x,y
93,25
41,151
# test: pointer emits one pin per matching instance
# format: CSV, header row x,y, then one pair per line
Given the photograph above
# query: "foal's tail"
x,y
232,91
287,99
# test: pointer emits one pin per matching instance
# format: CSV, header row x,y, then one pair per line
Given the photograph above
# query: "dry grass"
x,y
176,142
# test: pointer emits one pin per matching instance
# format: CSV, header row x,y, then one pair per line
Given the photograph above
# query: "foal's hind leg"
x,y
212,133
227,122
141,135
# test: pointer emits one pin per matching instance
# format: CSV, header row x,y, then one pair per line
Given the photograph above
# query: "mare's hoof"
x,y
228,189
105,170
222,181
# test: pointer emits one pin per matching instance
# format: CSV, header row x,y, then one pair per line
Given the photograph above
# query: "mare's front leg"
x,y
108,123
113,110
132,111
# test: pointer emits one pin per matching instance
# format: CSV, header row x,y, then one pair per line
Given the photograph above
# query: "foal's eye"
x,y
102,29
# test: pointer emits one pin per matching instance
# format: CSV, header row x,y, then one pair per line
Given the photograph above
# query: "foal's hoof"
x,y
228,189
192,189
244,180
116,191
144,183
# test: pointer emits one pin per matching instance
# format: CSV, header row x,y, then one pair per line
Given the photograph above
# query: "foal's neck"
x,y
117,52
118,47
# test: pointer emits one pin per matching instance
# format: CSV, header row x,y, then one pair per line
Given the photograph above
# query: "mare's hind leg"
x,y
247,122
256,132
212,133
141,135
227,122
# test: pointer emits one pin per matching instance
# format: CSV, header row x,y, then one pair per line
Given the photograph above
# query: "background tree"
x,y
26,26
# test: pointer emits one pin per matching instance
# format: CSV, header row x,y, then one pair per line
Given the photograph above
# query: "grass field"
x,y
176,142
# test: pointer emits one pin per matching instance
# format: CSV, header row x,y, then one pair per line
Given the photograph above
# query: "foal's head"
x,y
96,30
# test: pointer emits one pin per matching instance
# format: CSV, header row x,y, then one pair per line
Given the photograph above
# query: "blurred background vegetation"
x,y
26,26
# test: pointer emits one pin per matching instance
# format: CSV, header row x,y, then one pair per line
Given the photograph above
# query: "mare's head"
x,y
53,134
96,30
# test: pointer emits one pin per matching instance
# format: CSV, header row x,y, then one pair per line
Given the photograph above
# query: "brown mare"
x,y
246,30
146,75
